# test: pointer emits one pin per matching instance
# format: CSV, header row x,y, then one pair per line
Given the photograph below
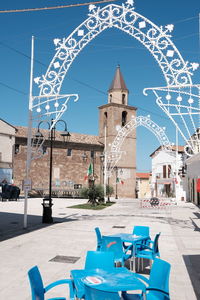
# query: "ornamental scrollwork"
x,y
156,39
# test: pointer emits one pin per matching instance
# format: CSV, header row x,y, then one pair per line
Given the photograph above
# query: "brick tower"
x,y
112,116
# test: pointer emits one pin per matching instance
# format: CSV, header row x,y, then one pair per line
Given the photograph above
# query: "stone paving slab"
x,y
72,234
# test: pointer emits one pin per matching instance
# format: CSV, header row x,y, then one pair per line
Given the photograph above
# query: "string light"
x,y
55,7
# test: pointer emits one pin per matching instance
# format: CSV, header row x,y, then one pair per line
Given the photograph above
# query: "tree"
x,y
95,193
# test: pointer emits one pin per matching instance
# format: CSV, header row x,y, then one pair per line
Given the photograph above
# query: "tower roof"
x,y
118,82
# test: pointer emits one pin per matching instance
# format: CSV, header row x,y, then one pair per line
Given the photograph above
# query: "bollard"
x,y
47,211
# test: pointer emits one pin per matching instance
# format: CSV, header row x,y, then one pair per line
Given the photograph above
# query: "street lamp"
x,y
47,201
116,181
91,180
108,169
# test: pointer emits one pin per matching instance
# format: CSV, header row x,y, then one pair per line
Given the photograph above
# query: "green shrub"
x,y
95,193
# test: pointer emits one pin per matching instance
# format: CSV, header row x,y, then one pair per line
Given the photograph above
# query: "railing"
x,y
56,193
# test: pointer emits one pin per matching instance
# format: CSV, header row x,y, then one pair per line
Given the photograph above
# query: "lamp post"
x,y
47,201
91,179
108,192
116,179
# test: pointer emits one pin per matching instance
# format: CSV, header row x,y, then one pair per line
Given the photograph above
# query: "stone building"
x,y
7,141
71,159
143,185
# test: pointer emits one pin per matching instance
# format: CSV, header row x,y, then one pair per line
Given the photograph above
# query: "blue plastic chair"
x,y
115,245
99,238
93,294
94,260
142,231
99,259
149,252
158,282
38,290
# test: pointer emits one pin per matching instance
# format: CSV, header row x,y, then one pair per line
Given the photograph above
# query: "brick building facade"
x,y
69,168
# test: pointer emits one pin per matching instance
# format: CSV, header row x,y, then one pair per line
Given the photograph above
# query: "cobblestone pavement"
x,y
72,234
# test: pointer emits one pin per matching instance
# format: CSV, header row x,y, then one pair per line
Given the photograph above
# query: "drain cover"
x,y
116,226
65,259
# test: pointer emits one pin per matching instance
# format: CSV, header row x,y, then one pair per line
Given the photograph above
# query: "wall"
x,y
66,170
193,173
7,141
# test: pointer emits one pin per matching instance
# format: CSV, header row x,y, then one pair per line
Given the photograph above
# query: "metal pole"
x,y
108,189
47,207
176,189
105,162
116,196
51,163
93,179
29,133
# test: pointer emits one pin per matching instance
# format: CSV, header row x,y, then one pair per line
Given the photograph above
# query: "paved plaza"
x,y
72,234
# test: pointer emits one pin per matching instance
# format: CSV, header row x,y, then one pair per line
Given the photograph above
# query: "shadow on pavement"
x,y
197,215
11,224
196,227
192,263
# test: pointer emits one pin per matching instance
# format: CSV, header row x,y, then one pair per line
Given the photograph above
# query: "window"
x,y
69,152
123,98
77,186
92,154
110,98
164,172
124,117
105,117
0,156
169,171
44,148
16,148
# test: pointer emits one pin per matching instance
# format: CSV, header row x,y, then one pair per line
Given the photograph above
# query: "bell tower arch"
x,y
113,116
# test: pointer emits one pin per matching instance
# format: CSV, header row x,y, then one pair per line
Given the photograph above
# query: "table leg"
x,y
132,260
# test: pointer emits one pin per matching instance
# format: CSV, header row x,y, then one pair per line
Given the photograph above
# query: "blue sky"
x,y
92,71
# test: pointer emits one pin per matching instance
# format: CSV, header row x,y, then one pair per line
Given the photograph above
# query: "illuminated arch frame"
x,y
115,153
156,39
176,71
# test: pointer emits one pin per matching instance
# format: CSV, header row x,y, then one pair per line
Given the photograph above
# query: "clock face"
x,y
118,127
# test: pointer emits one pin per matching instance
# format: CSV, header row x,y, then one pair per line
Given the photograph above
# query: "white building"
x,y
7,142
143,185
167,173
193,179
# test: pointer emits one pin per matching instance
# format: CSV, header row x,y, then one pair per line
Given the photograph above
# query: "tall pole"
x,y
47,202
51,163
177,165
116,196
105,160
29,134
93,179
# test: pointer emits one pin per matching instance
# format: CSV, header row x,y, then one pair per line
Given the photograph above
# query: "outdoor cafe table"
x,y
112,280
132,239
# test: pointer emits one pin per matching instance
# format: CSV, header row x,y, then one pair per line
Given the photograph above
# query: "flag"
x,y
89,171
118,180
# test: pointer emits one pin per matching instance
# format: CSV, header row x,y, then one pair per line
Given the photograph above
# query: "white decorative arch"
x,y
155,39
115,153
177,72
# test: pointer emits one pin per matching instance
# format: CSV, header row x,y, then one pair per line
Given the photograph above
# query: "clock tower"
x,y
113,116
